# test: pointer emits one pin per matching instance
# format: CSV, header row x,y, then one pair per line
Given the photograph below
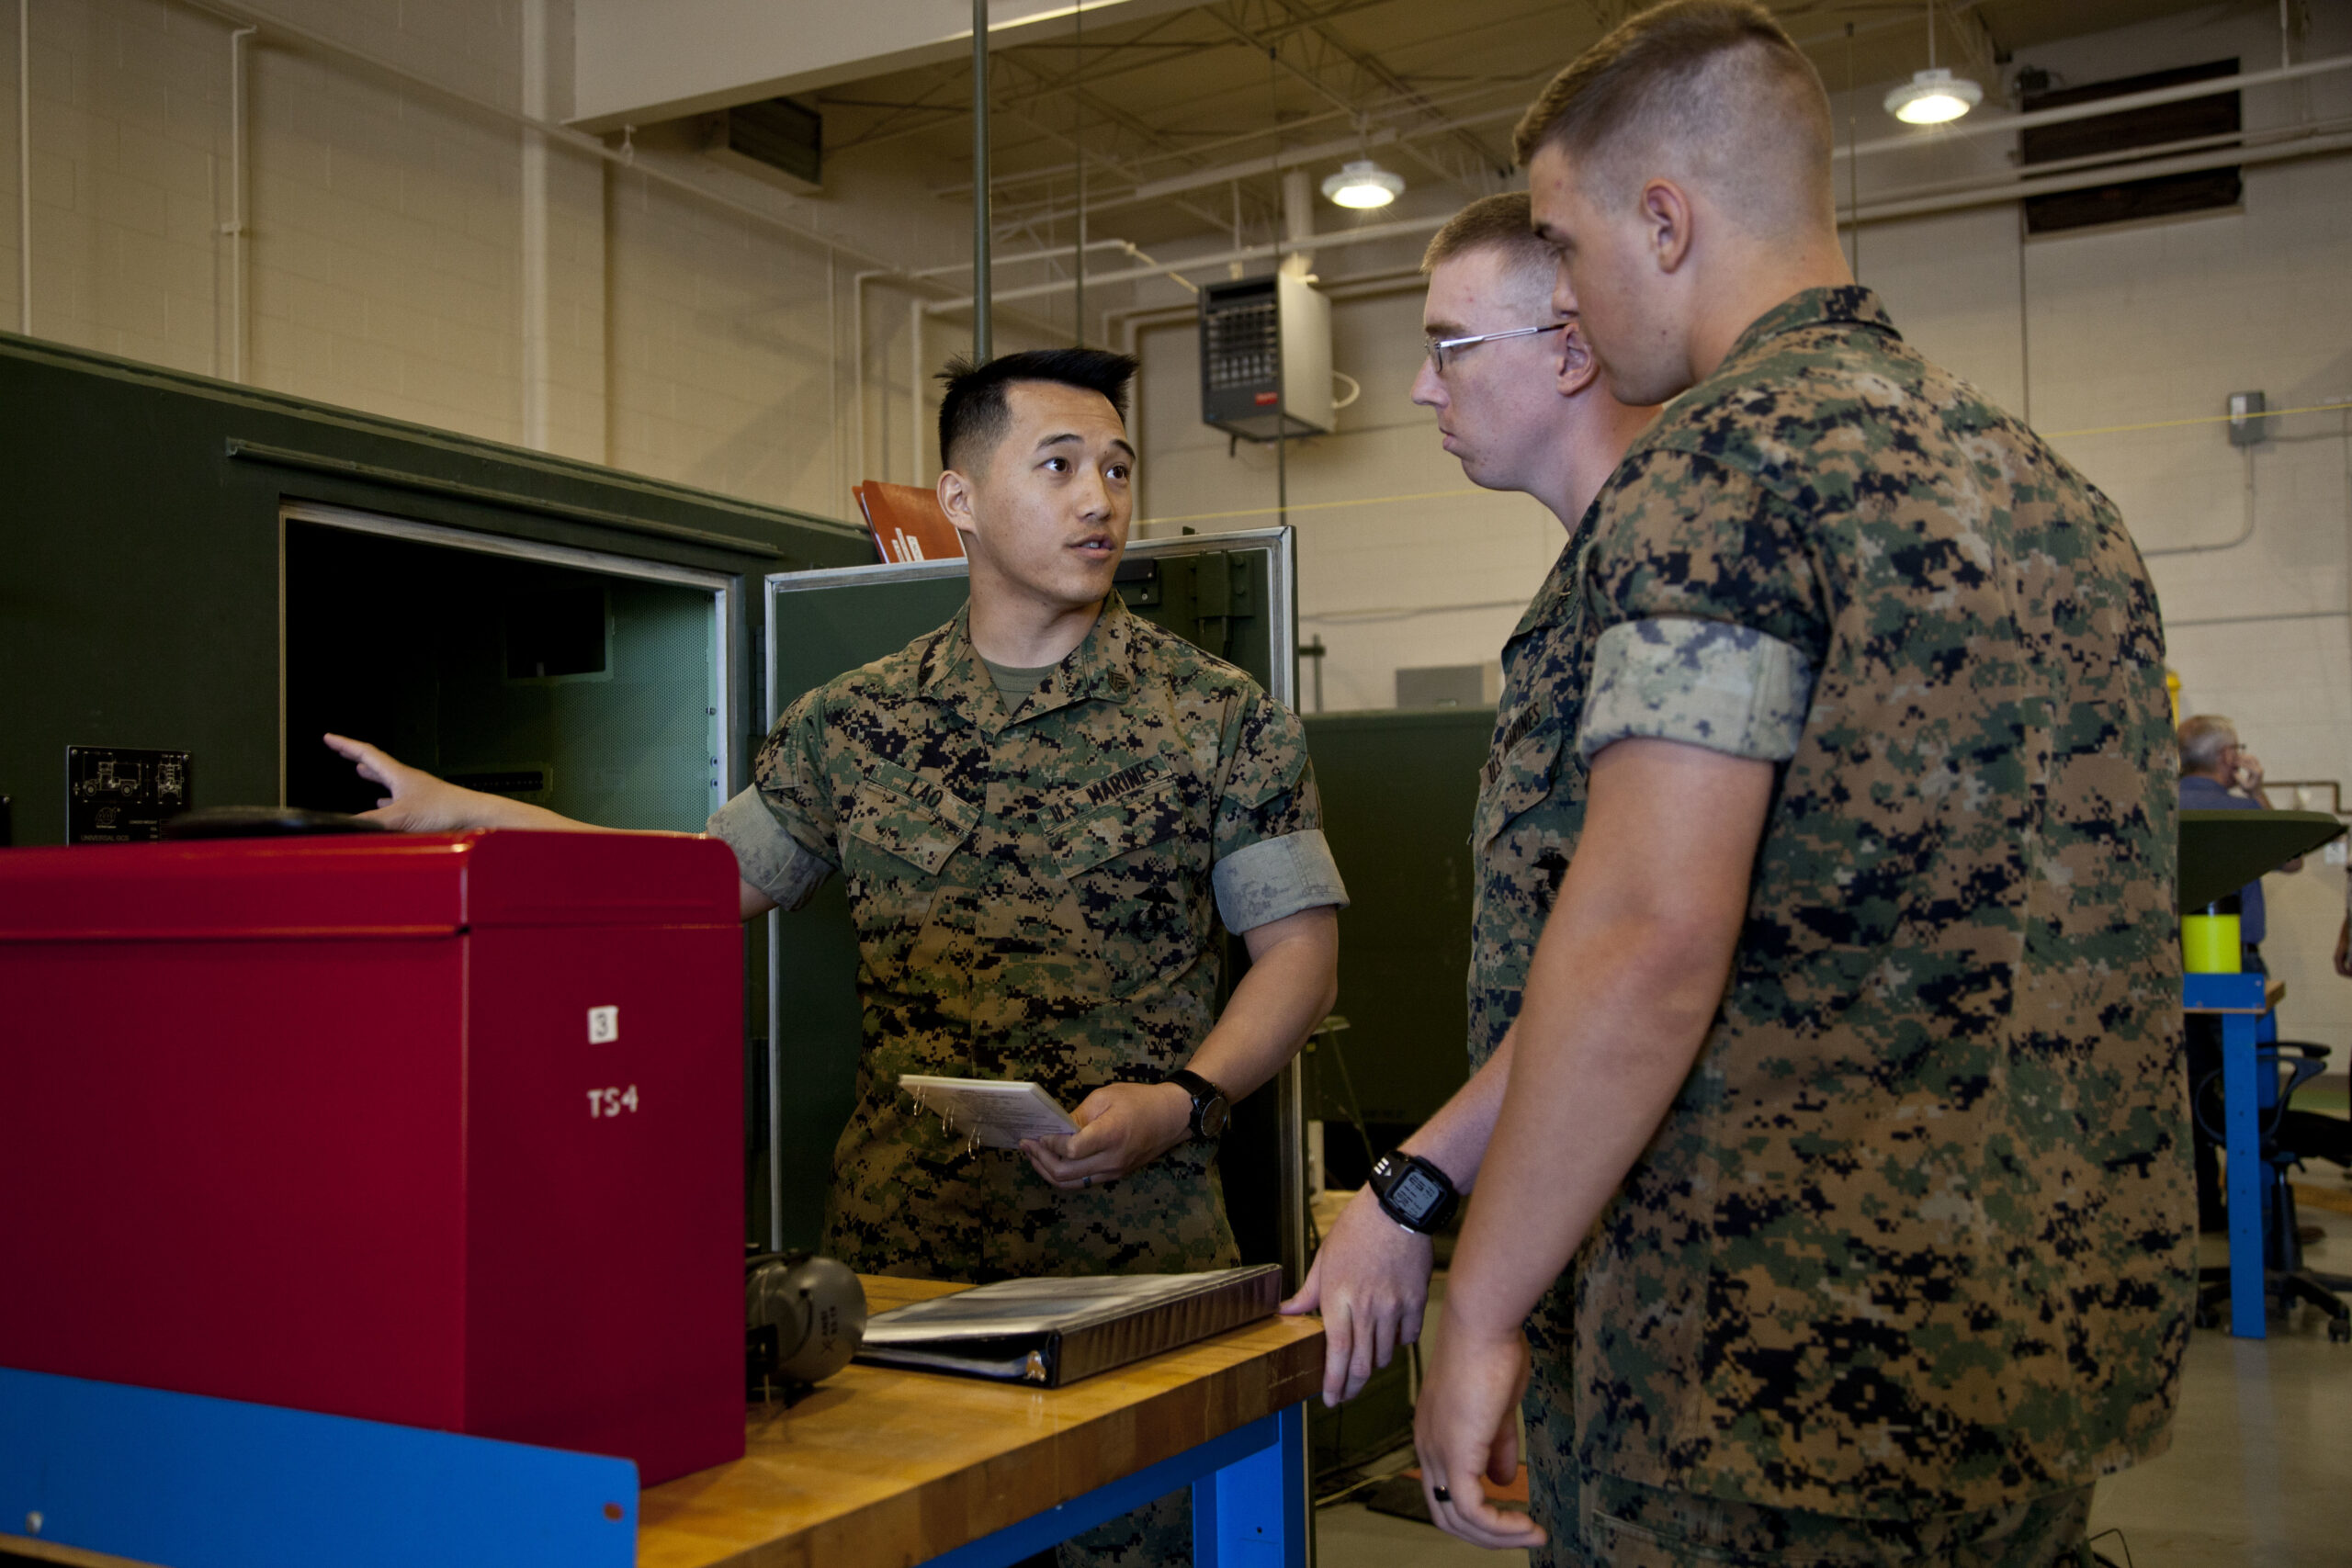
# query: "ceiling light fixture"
x,y
1933,97
1362,184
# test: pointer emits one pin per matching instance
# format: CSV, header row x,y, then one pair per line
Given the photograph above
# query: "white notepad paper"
x,y
997,1113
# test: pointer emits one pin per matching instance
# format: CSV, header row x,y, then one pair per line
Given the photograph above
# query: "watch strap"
x,y
1204,1093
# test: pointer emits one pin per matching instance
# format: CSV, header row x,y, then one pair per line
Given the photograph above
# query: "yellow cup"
x,y
2209,944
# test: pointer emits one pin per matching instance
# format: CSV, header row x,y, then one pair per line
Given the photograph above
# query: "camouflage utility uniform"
x,y
1908,1263
1035,893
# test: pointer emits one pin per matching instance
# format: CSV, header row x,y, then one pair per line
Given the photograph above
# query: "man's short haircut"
x,y
1502,224
974,413
1710,90
2203,737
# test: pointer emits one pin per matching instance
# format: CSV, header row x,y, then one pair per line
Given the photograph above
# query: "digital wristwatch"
x,y
1413,1192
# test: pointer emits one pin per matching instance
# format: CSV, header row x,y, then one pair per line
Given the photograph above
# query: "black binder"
x,y
1052,1332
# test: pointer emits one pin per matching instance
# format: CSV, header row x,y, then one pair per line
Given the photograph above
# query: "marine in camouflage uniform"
x,y
1035,894
1910,1262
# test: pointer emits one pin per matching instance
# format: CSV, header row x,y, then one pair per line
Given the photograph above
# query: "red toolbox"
x,y
439,1131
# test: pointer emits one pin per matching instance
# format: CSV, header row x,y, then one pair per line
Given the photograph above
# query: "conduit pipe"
x,y
535,387
236,224
983,276
25,166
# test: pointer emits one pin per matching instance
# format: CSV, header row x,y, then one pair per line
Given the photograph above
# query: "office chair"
x,y
2290,1063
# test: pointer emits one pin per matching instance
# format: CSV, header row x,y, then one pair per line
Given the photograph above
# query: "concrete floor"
x,y
2260,1474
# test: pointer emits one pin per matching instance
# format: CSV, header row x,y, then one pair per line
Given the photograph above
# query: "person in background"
x,y
2217,774
1838,1209
1521,402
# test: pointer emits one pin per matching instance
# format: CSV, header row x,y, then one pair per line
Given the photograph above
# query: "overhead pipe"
x,y
2009,187
1020,258
1974,126
2121,104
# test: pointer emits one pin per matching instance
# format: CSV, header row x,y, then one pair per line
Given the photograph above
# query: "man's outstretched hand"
x,y
416,802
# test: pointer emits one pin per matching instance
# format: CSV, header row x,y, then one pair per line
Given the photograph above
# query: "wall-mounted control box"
x,y
1266,357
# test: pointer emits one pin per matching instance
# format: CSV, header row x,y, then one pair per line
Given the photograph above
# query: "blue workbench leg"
x,y
2242,1143
1252,1513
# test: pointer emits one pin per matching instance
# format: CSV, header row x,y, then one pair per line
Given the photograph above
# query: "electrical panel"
x,y
2248,426
1266,358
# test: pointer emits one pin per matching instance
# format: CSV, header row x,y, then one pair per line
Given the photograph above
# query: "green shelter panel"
x,y
1399,790
140,590
1215,599
2220,851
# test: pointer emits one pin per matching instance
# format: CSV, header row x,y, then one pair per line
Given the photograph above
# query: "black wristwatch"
x,y
1210,1109
1413,1192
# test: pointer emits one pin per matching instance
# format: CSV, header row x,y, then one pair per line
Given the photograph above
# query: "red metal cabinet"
x,y
438,1131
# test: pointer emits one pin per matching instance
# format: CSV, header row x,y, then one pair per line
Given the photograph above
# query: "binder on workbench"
x,y
1052,1332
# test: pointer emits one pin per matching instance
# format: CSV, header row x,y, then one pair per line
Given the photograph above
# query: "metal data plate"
x,y
115,795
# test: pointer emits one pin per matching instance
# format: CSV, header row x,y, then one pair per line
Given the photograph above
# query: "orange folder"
x,y
907,522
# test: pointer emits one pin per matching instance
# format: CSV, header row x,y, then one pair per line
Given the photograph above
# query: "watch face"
x,y
1214,1116
1416,1194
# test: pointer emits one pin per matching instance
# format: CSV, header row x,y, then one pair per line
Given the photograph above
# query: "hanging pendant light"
x,y
1933,97
1362,184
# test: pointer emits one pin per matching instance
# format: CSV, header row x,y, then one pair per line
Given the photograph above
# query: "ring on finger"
x,y
1086,1181
1440,1493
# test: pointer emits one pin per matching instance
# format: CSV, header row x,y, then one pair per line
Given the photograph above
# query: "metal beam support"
x,y
983,280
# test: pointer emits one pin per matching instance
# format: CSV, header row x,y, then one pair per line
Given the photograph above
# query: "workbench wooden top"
x,y
885,1466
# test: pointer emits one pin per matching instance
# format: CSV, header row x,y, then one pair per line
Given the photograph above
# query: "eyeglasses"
x,y
1441,346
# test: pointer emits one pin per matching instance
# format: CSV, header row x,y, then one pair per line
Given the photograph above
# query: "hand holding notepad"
x,y
997,1113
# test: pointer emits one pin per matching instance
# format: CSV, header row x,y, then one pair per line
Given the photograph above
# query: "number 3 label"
x,y
611,1101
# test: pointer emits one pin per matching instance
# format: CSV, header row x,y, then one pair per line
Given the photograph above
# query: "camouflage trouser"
x,y
1158,1535
1599,1521
1617,1524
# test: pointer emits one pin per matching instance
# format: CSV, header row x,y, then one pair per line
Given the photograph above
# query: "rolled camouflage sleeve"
x,y
1272,858
1728,688
1710,608
782,828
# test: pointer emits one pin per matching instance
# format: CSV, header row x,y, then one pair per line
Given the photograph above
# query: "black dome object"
x,y
264,822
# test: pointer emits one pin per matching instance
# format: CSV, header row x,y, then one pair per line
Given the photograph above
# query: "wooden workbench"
x,y
876,1466
880,1465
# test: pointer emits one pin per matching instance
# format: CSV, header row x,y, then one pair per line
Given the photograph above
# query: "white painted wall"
x,y
386,257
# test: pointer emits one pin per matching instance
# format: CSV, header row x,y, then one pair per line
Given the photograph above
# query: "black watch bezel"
x,y
1389,1172
1208,1104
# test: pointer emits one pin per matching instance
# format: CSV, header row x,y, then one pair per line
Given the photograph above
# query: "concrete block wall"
x,y
387,266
